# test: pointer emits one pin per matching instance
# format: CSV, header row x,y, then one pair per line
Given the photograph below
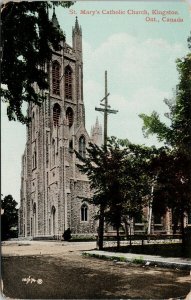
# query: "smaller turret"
x,y
96,134
77,37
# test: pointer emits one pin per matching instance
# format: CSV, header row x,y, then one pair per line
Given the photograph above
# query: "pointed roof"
x,y
54,18
55,21
77,28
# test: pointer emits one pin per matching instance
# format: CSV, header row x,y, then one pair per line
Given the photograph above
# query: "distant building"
x,y
53,192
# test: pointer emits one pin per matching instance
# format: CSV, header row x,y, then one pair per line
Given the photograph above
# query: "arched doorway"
x,y
53,225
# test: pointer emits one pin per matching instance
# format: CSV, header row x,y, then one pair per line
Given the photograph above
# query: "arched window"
x,y
70,116
71,145
53,152
56,78
34,208
56,114
84,212
82,146
68,82
33,125
34,219
53,212
34,157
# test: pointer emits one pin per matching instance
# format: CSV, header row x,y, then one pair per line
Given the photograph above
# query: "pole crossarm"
x,y
102,104
111,111
105,97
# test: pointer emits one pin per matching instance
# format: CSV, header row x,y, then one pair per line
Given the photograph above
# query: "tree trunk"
x,y
101,228
118,238
126,227
182,231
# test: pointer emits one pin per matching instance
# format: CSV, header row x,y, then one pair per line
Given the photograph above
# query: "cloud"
x,y
141,73
133,62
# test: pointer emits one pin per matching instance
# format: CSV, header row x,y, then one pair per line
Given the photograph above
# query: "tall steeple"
x,y
77,28
77,36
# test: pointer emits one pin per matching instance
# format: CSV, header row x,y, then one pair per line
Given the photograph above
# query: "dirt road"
x,y
57,270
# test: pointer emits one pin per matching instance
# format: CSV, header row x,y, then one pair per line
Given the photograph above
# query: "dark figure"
x,y
67,234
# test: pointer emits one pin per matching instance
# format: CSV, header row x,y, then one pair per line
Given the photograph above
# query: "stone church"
x,y
53,192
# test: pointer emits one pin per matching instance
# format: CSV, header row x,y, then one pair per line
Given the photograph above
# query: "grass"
x,y
138,260
166,250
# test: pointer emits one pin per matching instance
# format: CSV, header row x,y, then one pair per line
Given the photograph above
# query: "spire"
x,y
76,24
55,21
96,133
77,28
54,18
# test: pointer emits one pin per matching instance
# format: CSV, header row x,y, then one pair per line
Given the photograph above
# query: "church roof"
x,y
55,21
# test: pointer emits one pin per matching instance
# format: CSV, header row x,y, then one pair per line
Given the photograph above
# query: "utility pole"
x,y
106,109
153,183
150,210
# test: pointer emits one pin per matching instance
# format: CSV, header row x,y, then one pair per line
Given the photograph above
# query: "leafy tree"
x,y
95,166
174,180
28,37
9,218
119,180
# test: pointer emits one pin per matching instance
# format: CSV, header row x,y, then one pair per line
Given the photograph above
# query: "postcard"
x,y
116,60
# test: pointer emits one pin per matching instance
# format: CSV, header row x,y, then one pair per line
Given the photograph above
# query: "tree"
x,y
118,179
9,218
28,37
174,166
129,184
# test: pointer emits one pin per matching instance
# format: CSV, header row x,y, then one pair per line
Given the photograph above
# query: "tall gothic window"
x,y
70,116
53,152
53,212
84,212
56,114
34,219
33,125
82,146
56,78
34,158
68,82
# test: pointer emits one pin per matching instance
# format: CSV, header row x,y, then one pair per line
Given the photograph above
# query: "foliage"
x,y
119,178
178,134
139,260
9,217
173,165
28,37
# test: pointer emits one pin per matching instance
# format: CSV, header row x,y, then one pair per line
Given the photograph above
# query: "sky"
x,y
139,55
